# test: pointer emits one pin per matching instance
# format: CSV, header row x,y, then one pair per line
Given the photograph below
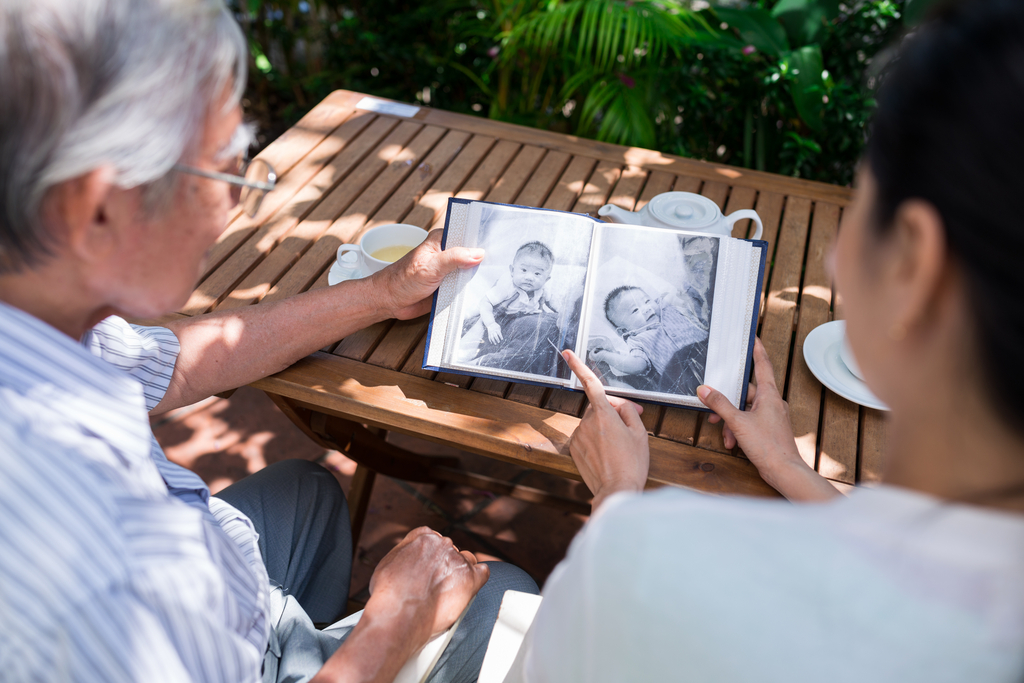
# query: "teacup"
x,y
379,247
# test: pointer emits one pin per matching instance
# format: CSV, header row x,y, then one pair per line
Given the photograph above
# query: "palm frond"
x,y
600,95
598,31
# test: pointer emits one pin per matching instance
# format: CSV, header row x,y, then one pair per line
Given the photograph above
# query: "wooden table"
x,y
345,169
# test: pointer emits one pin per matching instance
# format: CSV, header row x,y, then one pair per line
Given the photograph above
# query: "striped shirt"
x,y
115,564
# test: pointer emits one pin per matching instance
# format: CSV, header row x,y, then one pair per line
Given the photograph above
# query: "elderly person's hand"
x,y
609,446
427,579
406,286
765,434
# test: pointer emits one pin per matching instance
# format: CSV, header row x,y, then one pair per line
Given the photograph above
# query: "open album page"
x,y
668,311
513,314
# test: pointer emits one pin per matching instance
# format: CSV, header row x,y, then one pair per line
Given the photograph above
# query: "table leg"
x,y
359,500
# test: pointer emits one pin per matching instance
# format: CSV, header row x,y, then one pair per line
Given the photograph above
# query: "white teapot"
x,y
682,211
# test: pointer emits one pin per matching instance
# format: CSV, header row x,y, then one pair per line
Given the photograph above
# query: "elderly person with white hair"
x,y
120,140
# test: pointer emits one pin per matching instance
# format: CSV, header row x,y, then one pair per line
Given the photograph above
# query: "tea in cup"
x,y
381,246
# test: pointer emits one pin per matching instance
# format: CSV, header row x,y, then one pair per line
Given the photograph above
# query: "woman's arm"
x,y
229,349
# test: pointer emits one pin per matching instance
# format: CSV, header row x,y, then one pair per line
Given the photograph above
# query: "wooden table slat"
x,y
399,343
805,391
657,182
769,208
507,188
716,192
456,149
414,363
627,189
467,175
873,426
543,180
687,184
838,457
780,311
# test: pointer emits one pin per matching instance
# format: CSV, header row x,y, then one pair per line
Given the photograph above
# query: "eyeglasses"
x,y
249,186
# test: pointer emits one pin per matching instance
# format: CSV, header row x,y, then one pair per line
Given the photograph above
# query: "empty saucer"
x,y
822,352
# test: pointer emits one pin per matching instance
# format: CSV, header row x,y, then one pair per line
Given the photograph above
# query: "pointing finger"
x,y
591,384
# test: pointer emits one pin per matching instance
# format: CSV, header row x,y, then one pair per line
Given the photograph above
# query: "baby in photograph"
x,y
517,326
667,339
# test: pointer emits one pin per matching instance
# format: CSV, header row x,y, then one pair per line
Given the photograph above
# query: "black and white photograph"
x,y
652,297
523,304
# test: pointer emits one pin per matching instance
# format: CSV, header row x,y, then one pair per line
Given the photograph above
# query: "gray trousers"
x,y
301,514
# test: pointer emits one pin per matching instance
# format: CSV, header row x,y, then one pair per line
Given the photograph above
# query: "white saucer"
x,y
337,274
821,351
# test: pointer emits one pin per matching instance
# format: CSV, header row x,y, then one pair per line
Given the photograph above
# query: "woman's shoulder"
x,y
902,586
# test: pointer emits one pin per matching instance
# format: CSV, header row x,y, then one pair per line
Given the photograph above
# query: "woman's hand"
x,y
766,435
610,445
404,288
427,575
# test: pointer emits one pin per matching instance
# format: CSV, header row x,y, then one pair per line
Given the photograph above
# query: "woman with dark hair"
x,y
919,579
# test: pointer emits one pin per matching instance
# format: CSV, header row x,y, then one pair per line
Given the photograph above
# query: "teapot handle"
x,y
746,213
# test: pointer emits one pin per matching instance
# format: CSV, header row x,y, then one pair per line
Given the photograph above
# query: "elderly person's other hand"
x,y
406,286
609,446
765,434
427,579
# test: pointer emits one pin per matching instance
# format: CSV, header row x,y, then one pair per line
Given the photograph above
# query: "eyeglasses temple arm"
x,y
228,178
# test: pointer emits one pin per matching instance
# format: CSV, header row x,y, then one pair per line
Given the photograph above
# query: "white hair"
x,y
92,83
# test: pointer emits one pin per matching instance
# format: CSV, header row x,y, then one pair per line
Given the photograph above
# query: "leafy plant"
x,y
594,61
789,34
780,85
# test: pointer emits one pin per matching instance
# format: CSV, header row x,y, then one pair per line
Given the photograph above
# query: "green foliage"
x,y
779,85
601,54
760,99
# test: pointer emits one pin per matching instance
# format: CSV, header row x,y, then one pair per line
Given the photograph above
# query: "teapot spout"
x,y
614,214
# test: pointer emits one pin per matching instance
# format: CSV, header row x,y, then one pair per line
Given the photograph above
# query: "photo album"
x,y
654,312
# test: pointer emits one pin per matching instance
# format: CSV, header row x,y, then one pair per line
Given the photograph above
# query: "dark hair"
x,y
612,296
538,248
950,130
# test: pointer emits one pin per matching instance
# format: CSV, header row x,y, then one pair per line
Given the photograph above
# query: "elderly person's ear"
x,y
918,263
82,214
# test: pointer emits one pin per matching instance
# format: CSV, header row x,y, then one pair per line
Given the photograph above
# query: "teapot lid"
x,y
684,210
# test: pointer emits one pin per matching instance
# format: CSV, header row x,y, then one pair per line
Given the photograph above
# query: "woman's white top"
x,y
885,585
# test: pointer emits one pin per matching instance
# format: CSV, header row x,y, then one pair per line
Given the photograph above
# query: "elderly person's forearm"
x,y
228,349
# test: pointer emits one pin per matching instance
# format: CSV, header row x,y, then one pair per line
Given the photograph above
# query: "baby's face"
x,y
633,309
530,272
